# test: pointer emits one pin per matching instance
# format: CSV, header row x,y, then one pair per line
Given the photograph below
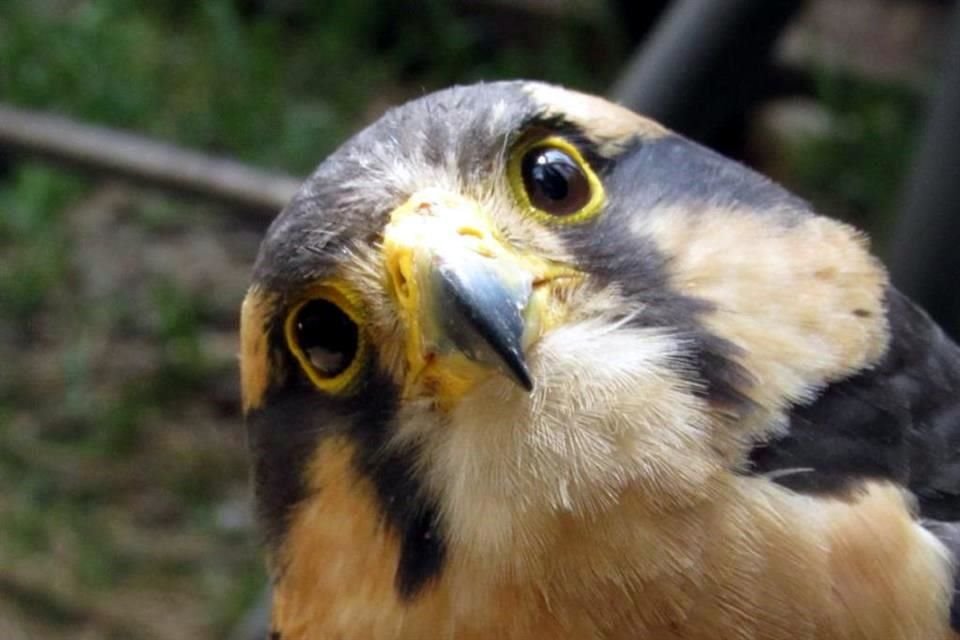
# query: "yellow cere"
x,y
435,226
515,177
432,221
349,303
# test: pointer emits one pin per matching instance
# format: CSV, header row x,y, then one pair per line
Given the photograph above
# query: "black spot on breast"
x,y
421,555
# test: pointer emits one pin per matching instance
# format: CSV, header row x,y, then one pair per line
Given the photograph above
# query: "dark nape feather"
x,y
898,421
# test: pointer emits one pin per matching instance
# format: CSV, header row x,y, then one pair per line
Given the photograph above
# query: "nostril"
x,y
401,284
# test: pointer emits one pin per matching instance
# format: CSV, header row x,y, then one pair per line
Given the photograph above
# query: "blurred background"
x,y
124,505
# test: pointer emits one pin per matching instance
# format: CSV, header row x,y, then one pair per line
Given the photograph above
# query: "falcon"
x,y
518,363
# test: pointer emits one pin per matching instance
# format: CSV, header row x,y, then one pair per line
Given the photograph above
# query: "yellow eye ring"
x,y
324,334
553,182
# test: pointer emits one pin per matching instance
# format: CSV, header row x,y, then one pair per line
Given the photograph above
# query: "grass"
x,y
34,249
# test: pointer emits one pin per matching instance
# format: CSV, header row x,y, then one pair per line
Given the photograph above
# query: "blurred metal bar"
x,y
140,159
703,61
925,249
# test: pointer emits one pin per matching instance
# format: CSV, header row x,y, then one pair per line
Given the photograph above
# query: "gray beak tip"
x,y
519,372
483,317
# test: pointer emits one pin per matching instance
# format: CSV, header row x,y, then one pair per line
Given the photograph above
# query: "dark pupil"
x,y
555,183
327,336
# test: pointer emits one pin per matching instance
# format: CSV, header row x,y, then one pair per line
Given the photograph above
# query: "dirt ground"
x,y
126,510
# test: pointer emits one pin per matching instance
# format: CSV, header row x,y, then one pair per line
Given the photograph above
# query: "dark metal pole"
x,y
703,62
925,250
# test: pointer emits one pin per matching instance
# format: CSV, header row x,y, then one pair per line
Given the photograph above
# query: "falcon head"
x,y
506,320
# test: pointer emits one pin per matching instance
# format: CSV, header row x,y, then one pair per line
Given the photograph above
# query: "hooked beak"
x,y
470,304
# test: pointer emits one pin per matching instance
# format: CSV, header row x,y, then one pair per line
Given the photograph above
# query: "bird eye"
x,y
553,181
327,337
326,340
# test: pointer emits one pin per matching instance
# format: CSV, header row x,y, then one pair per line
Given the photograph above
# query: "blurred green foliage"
x,y
855,168
274,90
32,240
